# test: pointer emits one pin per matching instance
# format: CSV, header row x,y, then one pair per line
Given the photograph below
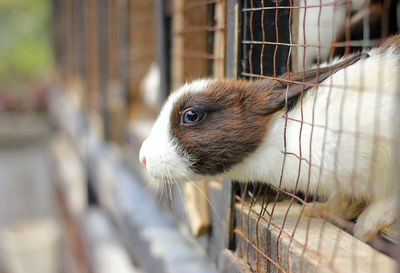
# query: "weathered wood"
x,y
229,262
178,22
92,62
70,194
312,245
115,93
219,39
141,53
197,207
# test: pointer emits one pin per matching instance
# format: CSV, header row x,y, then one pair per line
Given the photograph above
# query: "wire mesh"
x,y
272,232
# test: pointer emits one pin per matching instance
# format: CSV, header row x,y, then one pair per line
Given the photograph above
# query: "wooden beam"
x,y
295,243
219,39
178,42
198,209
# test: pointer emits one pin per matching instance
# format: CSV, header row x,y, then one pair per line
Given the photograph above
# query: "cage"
x,y
112,46
142,53
272,233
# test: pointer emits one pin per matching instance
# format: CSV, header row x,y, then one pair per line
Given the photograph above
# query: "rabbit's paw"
x,y
378,216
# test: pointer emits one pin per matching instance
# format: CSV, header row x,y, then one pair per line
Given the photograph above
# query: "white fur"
x,y
150,86
325,21
377,78
162,159
326,26
366,106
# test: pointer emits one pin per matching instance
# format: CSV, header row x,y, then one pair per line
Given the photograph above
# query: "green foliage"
x,y
25,51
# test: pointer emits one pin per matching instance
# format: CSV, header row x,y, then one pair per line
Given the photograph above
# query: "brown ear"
x,y
295,83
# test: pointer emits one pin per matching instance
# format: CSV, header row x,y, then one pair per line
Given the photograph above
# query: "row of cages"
x,y
118,61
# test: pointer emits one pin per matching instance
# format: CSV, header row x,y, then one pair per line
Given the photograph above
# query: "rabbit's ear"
x,y
291,85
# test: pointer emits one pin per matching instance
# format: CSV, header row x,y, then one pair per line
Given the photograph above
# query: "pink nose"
x,y
143,160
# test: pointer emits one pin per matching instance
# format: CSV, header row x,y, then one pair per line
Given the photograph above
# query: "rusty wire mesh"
x,y
272,234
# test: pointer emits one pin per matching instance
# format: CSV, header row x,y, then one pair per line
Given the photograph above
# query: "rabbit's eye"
x,y
192,116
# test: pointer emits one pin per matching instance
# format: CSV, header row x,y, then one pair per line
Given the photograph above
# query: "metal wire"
x,y
254,202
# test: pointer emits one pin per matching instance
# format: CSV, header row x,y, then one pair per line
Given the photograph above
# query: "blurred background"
x,y
28,226
25,53
27,215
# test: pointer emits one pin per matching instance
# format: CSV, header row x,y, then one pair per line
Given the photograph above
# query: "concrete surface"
x,y
25,184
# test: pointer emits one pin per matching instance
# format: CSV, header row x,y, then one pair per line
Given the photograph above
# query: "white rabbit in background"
x,y
150,86
319,23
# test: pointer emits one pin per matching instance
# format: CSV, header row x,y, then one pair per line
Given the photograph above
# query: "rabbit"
x,y
150,85
322,22
381,16
248,130
314,29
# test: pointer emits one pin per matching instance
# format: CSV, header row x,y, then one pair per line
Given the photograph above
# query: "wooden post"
x,y
92,49
178,22
219,39
141,53
114,93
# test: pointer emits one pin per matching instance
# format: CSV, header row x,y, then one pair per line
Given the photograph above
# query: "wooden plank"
x,y
70,196
141,53
229,262
107,253
311,245
177,63
92,54
197,47
115,96
198,208
219,39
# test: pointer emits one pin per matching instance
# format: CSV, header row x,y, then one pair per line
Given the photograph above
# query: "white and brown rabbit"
x,y
341,130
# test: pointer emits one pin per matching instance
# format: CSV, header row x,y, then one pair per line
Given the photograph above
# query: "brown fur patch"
x,y
393,42
233,127
236,116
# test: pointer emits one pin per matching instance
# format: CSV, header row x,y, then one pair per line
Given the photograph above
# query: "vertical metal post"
x,y
233,33
396,163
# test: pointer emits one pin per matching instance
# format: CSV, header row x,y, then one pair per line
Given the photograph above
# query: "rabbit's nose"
x,y
142,154
143,160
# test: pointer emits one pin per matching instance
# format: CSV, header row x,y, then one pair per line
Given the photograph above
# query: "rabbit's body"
x,y
342,131
361,100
